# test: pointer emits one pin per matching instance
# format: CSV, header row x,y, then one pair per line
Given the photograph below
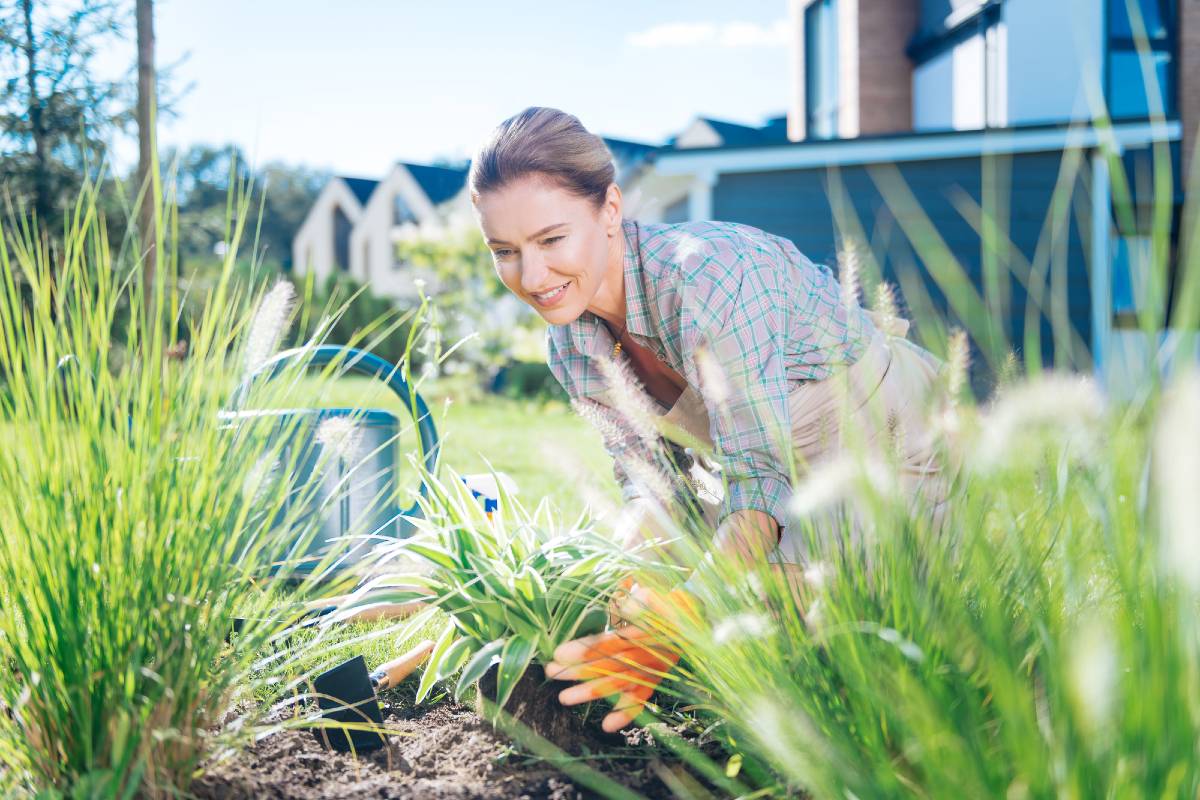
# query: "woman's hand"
x,y
747,535
628,662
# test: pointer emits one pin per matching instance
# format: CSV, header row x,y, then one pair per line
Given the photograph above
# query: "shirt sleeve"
x,y
734,318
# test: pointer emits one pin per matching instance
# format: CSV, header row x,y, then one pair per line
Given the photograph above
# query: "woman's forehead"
x,y
526,209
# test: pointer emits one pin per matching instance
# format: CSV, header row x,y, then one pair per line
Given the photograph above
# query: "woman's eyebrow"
x,y
544,230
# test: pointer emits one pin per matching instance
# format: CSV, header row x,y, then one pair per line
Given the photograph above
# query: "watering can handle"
x,y
364,363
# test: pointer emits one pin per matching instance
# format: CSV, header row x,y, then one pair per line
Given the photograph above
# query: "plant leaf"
x,y
479,663
430,675
456,656
432,554
514,660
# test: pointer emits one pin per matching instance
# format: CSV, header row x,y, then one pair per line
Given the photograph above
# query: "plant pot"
x,y
534,703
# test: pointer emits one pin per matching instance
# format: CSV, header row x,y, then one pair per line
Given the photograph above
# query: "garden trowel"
x,y
347,694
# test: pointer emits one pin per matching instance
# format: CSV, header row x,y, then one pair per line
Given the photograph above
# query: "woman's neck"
x,y
609,301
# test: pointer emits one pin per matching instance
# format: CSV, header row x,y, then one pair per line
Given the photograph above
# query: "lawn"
x,y
544,447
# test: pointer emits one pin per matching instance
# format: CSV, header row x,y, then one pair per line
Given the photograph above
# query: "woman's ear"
x,y
612,210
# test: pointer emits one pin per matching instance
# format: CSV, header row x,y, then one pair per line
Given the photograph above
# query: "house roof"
x,y
627,150
913,146
439,183
734,134
361,188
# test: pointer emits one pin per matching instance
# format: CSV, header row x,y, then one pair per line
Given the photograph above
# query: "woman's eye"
x,y
501,253
552,239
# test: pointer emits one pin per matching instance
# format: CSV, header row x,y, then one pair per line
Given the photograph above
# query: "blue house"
x,y
965,147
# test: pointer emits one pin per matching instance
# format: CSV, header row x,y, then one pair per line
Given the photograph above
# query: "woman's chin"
x,y
560,315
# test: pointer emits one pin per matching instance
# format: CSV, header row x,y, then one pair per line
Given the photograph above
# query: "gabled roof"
x,y
626,150
439,183
734,134
775,129
361,188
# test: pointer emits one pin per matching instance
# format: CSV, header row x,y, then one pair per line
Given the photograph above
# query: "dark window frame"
x,y
926,46
1169,42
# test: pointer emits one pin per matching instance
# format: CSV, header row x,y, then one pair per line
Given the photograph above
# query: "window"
x,y
1131,257
402,213
960,79
820,69
341,239
1141,31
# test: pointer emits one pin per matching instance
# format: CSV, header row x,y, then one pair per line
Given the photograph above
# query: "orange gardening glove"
x,y
628,662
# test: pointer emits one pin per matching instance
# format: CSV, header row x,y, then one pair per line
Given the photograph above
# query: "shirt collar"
x,y
588,333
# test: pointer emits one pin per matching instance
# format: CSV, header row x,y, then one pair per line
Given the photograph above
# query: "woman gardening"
x,y
687,307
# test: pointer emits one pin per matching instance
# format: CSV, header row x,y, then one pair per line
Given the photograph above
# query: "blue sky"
x,y
355,85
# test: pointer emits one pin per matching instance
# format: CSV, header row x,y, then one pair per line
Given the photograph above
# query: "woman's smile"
x,y
552,297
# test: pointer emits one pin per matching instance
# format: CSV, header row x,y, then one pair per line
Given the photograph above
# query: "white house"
x,y
322,243
356,232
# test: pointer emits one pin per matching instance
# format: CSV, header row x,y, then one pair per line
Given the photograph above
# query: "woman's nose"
x,y
533,272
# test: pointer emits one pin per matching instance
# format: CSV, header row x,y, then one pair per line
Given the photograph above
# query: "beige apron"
x,y
878,402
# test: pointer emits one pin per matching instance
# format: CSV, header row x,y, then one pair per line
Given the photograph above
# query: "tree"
x,y
55,115
289,193
203,176
146,178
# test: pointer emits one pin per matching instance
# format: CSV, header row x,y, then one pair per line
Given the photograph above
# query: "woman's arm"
x,y
734,319
747,535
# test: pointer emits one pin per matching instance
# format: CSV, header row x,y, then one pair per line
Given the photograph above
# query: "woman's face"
x,y
551,248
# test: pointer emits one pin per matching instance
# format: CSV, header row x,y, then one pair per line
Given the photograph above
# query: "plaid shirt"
x,y
768,317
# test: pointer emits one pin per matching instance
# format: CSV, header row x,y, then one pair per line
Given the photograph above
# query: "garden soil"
x,y
442,751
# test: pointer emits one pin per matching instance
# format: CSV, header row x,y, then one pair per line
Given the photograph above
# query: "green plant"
x,y
472,304
512,587
528,380
135,525
1042,641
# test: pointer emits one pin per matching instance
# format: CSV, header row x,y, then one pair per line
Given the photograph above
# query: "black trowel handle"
x,y
391,673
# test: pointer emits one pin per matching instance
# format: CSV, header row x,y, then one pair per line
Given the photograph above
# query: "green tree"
x,y
55,115
203,176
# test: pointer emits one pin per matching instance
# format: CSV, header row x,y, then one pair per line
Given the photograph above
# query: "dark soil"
x,y
534,702
445,751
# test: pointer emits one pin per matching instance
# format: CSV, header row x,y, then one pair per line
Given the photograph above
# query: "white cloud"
x,y
749,34
729,34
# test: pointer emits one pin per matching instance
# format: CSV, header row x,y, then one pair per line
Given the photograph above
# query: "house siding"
x,y
795,204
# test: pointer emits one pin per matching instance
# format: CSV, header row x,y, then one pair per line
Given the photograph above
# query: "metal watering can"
x,y
361,488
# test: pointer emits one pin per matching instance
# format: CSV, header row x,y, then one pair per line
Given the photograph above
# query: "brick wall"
x,y
1189,76
885,28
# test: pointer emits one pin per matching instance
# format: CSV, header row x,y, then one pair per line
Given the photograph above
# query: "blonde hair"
x,y
545,142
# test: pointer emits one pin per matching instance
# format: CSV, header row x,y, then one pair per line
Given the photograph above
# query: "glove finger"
x,y
598,688
598,645
627,709
635,659
651,610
